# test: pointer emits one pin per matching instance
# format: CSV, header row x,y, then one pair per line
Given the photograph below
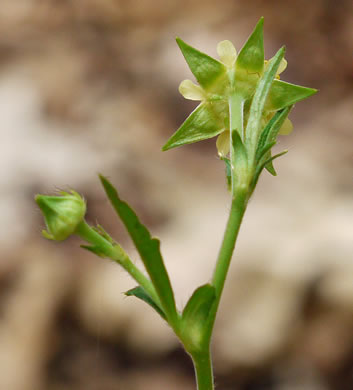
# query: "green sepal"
x,y
251,56
148,248
269,134
195,314
257,105
284,94
201,124
140,292
205,68
239,159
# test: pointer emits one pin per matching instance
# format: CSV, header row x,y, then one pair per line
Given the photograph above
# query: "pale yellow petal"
x,y
282,66
191,91
227,53
286,128
223,143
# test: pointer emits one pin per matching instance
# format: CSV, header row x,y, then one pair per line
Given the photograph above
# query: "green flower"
x,y
218,81
62,214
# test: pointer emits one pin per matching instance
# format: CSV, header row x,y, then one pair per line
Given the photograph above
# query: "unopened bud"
x,y
62,214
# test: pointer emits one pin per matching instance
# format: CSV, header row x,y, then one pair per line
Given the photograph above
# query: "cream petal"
x,y
286,128
191,91
227,53
282,66
223,143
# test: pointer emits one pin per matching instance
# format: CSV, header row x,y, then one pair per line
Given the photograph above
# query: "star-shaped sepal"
x,y
242,101
210,116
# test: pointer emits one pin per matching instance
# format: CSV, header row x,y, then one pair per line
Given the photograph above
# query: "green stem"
x,y
239,203
203,371
225,255
116,253
202,361
237,211
240,195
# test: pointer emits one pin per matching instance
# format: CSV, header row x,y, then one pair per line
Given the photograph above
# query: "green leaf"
x,y
205,68
99,229
199,304
93,249
265,150
228,172
195,315
201,124
262,166
140,292
284,94
268,139
269,165
259,99
269,134
251,56
148,248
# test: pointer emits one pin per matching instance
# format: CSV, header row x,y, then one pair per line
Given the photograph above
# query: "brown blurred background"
x,y
90,86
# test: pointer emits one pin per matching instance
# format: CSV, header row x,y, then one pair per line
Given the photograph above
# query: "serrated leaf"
x,y
259,99
148,248
196,313
205,68
284,94
140,292
251,56
201,124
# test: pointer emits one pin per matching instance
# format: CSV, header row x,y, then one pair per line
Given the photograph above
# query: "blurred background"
x,y
90,86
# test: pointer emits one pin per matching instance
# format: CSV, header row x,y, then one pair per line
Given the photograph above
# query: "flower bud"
x,y
62,214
